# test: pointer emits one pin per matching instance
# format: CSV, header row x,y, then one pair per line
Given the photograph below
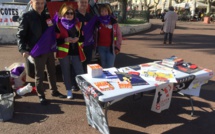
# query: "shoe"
x,y
170,42
69,94
164,42
70,97
58,94
75,88
43,100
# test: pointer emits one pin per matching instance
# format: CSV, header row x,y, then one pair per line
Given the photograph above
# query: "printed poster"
x,y
194,88
162,97
95,115
7,12
159,75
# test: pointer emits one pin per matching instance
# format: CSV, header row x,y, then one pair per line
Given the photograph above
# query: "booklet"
x,y
135,80
136,68
124,84
104,86
109,75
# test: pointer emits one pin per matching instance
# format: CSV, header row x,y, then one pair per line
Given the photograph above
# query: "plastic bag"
x,y
18,74
6,106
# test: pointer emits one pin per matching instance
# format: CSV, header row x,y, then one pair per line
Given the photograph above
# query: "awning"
x,y
190,4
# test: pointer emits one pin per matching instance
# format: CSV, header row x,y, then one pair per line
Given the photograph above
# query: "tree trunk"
x,y
124,10
170,3
155,9
193,8
163,5
208,7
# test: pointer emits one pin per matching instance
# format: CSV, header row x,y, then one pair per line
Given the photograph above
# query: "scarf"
x,y
68,24
104,19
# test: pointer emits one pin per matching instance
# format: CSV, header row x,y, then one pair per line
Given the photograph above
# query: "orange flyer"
x,y
104,86
95,66
124,84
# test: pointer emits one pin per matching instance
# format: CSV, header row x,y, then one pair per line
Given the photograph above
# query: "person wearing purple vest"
x,y
34,34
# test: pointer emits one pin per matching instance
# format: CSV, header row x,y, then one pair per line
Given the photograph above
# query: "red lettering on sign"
x,y
158,106
5,20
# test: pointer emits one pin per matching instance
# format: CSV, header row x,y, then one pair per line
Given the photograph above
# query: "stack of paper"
x,y
94,70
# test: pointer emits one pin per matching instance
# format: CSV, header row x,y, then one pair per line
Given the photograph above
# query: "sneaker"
x,y
75,88
43,100
69,94
58,94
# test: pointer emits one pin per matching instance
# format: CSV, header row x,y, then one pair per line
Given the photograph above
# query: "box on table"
x,y
94,70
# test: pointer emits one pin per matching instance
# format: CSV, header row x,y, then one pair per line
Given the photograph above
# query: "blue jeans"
x,y
106,56
71,66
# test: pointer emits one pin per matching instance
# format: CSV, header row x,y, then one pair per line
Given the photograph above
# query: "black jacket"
x,y
32,26
84,20
73,47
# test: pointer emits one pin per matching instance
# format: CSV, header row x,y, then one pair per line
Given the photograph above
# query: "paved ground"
x,y
193,41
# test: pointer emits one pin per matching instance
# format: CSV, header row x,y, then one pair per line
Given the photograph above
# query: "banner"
x,y
194,88
162,97
7,12
96,117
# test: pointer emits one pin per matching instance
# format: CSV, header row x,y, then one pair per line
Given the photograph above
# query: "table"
x,y
151,76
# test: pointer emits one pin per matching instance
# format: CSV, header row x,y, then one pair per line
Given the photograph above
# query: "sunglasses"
x,y
69,13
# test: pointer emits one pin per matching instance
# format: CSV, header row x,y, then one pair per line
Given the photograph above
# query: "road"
x,y
192,41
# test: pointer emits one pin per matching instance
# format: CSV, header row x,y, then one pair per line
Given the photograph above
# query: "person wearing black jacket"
x,y
32,26
84,17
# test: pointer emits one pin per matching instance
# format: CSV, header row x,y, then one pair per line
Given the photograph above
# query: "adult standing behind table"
x,y
68,32
84,17
170,19
109,37
33,24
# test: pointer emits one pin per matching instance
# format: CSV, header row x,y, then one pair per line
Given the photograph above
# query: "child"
x,y
108,37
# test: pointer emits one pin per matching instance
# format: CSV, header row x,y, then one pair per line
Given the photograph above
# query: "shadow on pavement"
x,y
115,130
204,124
207,92
200,28
29,112
139,112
